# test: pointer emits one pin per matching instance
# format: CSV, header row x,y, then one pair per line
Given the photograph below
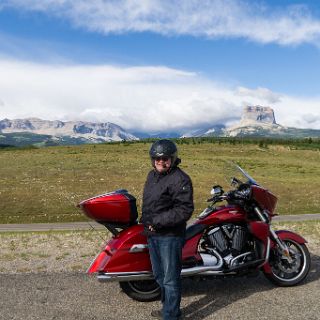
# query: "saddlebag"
x,y
117,208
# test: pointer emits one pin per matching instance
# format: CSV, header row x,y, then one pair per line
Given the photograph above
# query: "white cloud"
x,y
300,112
287,25
260,93
148,98
141,98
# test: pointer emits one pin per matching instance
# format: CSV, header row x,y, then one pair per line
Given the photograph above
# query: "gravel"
x,y
64,251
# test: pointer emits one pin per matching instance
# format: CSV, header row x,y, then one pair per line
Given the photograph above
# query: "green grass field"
x,y
44,185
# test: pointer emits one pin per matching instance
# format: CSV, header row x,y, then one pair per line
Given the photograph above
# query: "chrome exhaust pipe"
x,y
135,276
124,276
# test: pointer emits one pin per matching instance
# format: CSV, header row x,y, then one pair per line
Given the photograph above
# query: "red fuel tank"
x,y
117,207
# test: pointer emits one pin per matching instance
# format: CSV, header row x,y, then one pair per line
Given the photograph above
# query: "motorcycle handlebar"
x,y
234,195
240,194
217,199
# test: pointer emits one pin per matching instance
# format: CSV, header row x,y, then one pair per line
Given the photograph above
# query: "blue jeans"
x,y
165,254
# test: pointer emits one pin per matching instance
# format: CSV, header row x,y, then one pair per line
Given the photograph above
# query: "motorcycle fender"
x,y
284,234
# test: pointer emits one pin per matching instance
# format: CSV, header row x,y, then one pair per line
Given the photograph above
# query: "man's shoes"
x,y
156,314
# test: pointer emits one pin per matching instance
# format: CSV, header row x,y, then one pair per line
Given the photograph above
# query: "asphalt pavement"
x,y
69,296
92,224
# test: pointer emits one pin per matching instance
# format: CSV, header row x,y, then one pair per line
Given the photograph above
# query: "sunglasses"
x,y
161,158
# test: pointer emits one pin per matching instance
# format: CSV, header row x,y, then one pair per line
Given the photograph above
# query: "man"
x,y
167,205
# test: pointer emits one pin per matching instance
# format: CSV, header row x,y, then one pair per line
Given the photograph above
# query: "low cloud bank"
x,y
138,98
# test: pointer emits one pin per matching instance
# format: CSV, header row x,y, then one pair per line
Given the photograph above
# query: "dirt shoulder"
x,y
64,251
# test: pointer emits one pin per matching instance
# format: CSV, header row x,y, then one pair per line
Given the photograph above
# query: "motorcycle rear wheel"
x,y
287,274
143,290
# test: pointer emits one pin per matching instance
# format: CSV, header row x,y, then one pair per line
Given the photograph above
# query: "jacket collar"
x,y
163,174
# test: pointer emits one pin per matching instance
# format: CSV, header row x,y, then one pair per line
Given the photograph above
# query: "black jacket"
x,y
167,202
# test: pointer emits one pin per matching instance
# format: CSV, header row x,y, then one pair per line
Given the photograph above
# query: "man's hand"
x,y
151,228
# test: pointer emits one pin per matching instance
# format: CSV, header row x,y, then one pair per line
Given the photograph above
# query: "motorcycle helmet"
x,y
164,148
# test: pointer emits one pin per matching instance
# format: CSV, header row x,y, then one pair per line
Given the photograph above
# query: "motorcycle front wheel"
x,y
143,290
285,273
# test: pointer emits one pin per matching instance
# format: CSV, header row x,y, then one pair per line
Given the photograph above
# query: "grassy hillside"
x,y
25,139
44,185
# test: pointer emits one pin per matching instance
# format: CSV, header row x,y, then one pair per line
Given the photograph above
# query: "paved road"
x,y
93,224
78,296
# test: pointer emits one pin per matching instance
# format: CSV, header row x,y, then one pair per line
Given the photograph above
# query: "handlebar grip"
x,y
236,195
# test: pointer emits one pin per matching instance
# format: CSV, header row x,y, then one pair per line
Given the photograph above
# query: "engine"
x,y
230,241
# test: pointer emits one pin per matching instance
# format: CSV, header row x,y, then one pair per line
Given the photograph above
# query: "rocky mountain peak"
x,y
255,120
257,115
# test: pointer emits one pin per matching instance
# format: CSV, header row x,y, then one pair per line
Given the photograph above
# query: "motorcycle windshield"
x,y
235,175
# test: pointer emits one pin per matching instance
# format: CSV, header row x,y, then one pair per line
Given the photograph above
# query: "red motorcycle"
x,y
232,239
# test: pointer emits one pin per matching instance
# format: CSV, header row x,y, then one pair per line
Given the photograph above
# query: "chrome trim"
x,y
205,212
284,248
268,250
217,254
124,276
201,270
260,215
281,244
138,248
232,261
208,259
213,230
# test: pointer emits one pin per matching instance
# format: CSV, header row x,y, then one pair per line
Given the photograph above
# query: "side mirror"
x,y
216,191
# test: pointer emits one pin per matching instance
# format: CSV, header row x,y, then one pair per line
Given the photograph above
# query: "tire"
x,y
285,274
143,290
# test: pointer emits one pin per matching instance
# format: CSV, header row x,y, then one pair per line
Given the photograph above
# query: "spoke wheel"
x,y
289,273
144,290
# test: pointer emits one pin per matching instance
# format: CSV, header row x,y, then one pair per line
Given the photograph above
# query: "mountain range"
x,y
256,121
45,132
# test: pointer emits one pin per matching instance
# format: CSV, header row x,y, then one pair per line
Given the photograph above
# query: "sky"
x,y
156,65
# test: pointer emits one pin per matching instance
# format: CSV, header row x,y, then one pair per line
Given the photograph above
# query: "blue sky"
x,y
156,65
